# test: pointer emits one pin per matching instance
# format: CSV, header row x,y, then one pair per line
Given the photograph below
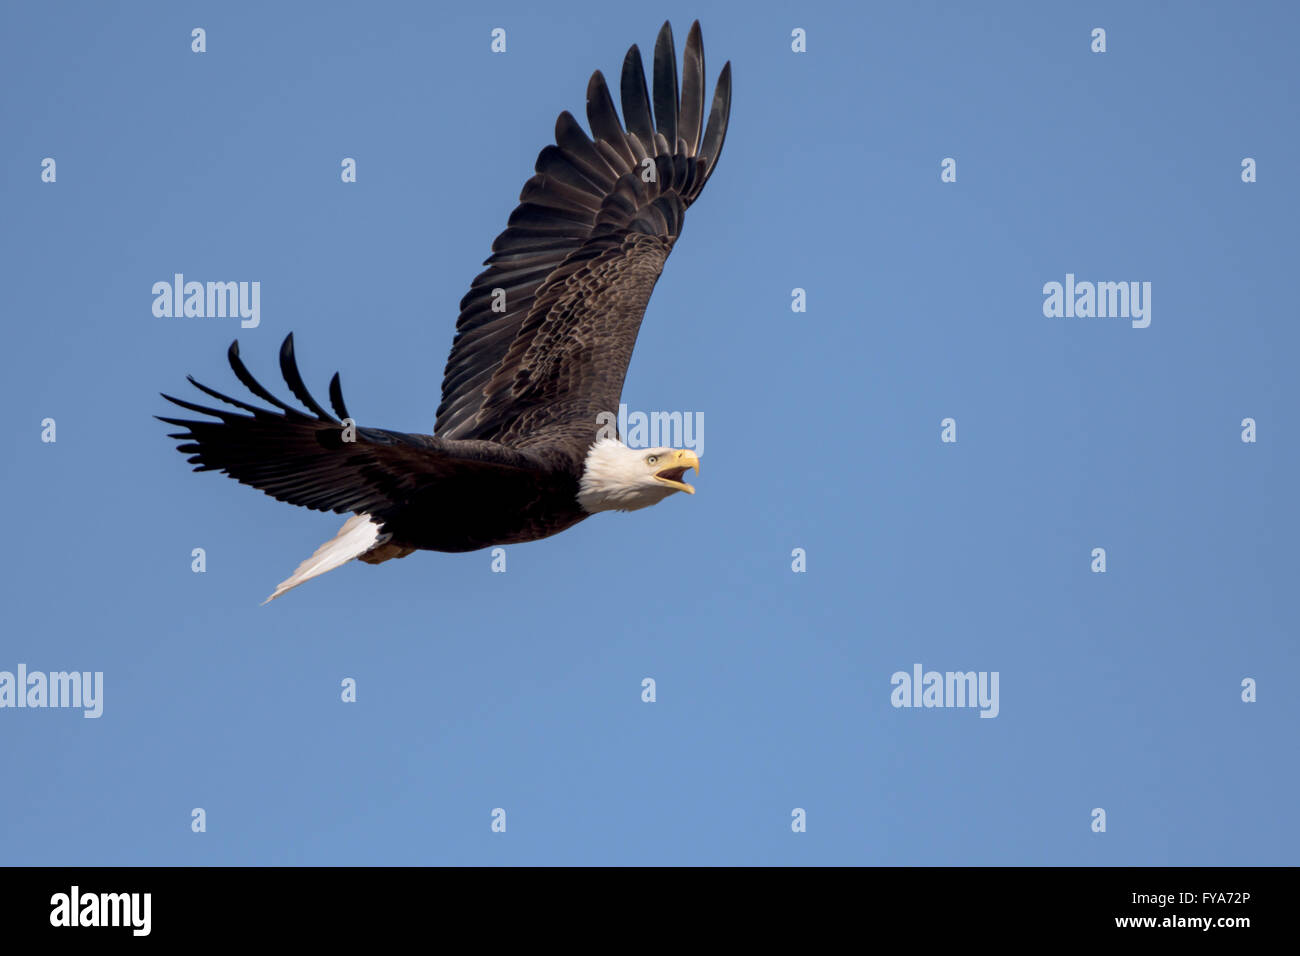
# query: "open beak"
x,y
681,462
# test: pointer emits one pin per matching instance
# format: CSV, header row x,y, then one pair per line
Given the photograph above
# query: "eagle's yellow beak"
x,y
679,462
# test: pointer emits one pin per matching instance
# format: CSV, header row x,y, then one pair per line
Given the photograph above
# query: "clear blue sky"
x,y
523,690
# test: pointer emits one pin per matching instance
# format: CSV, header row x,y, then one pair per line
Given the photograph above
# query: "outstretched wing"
x,y
308,459
581,254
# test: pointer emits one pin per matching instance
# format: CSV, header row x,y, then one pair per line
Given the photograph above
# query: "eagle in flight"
x,y
520,449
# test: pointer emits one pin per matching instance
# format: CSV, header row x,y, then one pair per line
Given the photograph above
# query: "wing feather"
x,y
692,93
665,85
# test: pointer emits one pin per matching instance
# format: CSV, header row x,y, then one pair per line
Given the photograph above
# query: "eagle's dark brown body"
x,y
480,508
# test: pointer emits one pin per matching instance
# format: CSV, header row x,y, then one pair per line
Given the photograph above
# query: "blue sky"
x,y
522,690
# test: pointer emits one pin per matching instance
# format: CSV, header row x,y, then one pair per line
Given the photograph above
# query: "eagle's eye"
x,y
652,459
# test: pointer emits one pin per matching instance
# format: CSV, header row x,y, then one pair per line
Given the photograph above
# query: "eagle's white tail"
x,y
358,535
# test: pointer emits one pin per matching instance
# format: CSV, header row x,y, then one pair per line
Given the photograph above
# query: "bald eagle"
x,y
519,450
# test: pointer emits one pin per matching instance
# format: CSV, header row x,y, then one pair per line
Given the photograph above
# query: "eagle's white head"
x,y
618,478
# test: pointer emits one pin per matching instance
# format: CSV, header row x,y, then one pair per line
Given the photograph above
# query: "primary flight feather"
x,y
542,346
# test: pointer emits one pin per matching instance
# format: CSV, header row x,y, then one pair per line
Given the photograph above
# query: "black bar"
x,y
334,905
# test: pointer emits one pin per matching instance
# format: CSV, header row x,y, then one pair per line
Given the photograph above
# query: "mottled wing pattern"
x,y
581,254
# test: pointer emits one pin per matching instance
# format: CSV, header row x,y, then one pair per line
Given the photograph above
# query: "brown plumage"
x,y
542,343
